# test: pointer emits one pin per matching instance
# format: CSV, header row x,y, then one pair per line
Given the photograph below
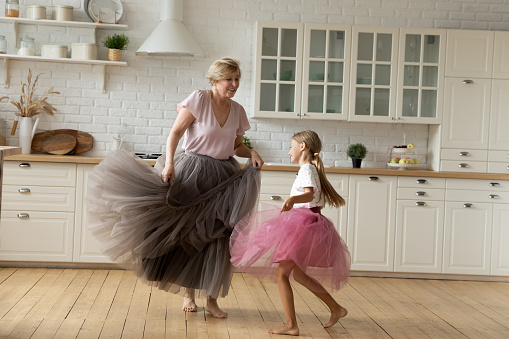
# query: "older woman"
x,y
175,232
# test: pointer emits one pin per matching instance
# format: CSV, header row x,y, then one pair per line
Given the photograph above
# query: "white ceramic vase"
x,y
26,132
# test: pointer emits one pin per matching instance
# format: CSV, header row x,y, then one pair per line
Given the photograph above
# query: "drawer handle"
x,y
468,82
494,184
420,203
24,164
23,215
468,205
464,154
422,181
493,196
24,190
275,197
373,179
420,193
507,168
463,165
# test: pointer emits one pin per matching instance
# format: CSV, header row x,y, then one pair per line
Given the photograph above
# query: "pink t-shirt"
x,y
205,136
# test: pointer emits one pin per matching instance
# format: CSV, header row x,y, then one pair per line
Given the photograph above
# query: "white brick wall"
x,y
141,98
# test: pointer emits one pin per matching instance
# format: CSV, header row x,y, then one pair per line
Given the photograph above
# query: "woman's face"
x,y
228,86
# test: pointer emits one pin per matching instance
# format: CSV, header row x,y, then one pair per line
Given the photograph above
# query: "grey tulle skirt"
x,y
175,235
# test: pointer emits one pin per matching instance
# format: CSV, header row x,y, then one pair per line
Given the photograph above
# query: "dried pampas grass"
x,y
29,104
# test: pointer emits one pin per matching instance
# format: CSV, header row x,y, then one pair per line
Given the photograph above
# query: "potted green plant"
x,y
357,152
247,142
116,43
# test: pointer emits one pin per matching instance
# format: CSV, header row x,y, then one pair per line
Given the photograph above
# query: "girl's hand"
x,y
168,173
288,204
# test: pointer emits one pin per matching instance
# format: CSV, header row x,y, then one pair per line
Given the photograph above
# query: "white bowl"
x,y
84,51
54,51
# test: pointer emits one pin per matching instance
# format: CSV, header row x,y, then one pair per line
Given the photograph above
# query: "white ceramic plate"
x,y
404,166
104,10
403,150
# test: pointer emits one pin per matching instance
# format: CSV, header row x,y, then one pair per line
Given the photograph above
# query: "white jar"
x,y
62,13
54,51
36,12
26,46
84,51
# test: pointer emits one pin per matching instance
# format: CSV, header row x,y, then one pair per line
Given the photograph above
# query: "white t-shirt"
x,y
308,177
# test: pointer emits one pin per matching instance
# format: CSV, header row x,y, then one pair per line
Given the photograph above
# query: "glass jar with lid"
x,y
12,8
3,45
26,46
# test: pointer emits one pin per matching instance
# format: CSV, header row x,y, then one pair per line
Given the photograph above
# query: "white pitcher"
x,y
27,129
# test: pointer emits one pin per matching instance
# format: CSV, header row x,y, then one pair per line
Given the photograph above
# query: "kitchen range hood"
x,y
170,37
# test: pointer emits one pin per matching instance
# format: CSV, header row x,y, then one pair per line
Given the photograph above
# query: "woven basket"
x,y
114,54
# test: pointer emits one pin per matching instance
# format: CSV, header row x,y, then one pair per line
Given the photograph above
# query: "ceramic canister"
x,y
62,13
36,12
54,51
84,51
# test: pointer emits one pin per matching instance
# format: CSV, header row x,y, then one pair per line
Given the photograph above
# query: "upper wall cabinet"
x,y
302,71
478,45
501,56
420,75
374,70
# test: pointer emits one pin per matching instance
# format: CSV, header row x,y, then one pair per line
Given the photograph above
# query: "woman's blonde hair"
x,y
314,146
222,68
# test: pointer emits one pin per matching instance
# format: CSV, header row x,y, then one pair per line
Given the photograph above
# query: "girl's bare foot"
x,y
285,330
335,315
189,304
214,309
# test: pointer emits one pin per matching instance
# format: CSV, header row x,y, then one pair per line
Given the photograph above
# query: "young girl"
x,y
298,237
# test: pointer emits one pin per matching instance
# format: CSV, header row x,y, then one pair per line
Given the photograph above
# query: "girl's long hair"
x,y
314,145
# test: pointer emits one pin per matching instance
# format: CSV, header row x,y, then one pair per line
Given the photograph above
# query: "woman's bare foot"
x,y
335,315
189,304
214,309
285,330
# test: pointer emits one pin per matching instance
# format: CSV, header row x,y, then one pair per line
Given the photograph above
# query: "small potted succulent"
x,y
357,152
116,43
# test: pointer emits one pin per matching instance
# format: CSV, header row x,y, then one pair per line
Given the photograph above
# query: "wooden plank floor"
x,y
82,303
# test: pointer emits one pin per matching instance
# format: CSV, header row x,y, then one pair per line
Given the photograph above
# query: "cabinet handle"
x,y
422,181
297,114
507,168
420,203
24,164
23,215
373,179
468,205
468,82
464,154
494,184
463,165
421,193
493,196
275,197
24,190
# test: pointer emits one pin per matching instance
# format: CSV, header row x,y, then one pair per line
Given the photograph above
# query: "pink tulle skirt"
x,y
263,239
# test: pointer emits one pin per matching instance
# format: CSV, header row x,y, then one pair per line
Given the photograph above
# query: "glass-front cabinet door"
x,y
278,70
373,74
420,75
326,71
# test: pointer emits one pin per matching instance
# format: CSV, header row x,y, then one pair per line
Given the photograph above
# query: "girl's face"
x,y
228,86
297,152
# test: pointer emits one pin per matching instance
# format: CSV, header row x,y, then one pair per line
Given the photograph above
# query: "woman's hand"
x,y
168,173
256,159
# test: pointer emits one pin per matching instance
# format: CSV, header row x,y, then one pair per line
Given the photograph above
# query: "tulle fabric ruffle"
x,y
263,239
175,235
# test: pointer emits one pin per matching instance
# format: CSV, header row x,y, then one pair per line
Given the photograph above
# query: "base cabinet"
x,y
371,220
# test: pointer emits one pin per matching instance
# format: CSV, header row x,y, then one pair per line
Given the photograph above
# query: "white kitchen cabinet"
x,y
276,187
419,225
371,222
469,53
373,74
500,251
37,220
326,72
86,247
278,69
501,55
420,75
499,119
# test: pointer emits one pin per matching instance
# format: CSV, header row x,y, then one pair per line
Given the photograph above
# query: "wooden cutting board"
x,y
59,144
84,141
